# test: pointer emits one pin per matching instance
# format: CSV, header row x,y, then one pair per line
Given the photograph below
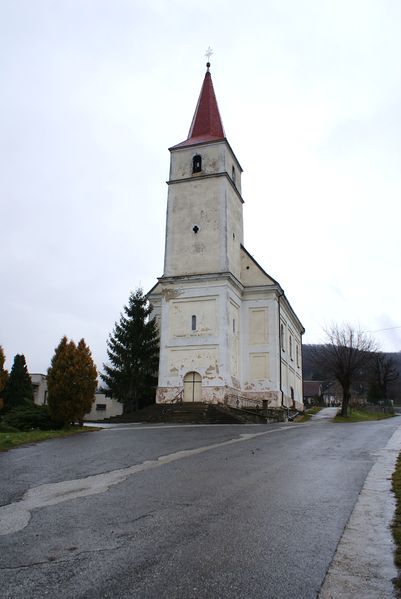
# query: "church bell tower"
x,y
204,228
224,323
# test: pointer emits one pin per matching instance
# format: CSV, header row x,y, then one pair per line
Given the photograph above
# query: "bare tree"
x,y
347,352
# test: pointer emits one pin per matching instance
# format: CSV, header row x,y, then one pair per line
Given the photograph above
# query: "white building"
x,y
227,330
39,384
102,407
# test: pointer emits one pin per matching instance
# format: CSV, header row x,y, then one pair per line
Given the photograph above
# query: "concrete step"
x,y
191,413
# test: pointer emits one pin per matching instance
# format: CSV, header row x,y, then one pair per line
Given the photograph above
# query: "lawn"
x,y
361,416
308,413
11,440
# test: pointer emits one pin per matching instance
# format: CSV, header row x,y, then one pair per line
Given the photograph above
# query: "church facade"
x,y
227,331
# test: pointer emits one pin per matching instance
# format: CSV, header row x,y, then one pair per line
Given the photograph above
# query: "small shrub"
x,y
29,417
5,428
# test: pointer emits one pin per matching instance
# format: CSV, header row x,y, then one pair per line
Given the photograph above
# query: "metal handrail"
x,y
177,398
168,405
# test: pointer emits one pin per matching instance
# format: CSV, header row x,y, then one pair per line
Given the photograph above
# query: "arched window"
x,y
282,337
193,322
197,164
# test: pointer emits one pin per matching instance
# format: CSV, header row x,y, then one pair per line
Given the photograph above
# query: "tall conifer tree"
x,y
86,378
18,388
133,351
71,381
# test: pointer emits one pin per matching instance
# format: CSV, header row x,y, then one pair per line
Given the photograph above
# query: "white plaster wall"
x,y
39,382
251,273
259,340
235,233
210,201
189,204
217,157
181,161
205,312
203,350
247,359
201,359
113,408
290,364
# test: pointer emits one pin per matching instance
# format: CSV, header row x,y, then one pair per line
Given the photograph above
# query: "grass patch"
x,y
361,416
303,418
307,415
396,526
14,439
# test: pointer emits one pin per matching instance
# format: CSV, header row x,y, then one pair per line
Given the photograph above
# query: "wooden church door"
x,y
192,386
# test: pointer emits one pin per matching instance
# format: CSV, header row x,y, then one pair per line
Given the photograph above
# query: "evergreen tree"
x,y
133,351
71,382
3,372
384,374
86,378
18,388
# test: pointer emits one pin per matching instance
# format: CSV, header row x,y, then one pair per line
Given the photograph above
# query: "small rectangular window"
x,y
233,325
197,164
193,322
100,407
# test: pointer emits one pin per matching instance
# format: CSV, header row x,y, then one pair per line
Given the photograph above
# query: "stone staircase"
x,y
192,413
186,413
201,413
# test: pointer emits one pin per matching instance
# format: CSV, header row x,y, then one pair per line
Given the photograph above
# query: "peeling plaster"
x,y
170,294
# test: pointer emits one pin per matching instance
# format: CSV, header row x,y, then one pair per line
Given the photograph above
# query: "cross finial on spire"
x,y
208,54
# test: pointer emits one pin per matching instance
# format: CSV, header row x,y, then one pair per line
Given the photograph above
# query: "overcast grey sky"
x,y
93,92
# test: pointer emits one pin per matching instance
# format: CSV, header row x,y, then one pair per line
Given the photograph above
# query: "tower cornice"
x,y
211,176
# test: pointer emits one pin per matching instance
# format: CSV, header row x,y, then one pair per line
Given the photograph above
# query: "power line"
x,y
380,330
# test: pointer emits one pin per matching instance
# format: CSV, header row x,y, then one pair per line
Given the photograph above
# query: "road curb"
x,y
363,565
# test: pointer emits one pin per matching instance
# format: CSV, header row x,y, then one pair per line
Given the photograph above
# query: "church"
x,y
228,333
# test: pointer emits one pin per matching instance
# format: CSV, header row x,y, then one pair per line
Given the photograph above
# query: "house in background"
x,y
102,407
39,384
322,392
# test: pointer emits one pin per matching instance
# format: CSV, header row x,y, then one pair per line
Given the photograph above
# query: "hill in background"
x,y
311,373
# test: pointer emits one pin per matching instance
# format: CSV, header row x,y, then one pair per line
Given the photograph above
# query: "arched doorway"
x,y
192,386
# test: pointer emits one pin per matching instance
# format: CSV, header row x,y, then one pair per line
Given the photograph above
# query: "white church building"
x,y
228,333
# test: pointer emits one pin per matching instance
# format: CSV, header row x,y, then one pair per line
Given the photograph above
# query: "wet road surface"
x,y
182,511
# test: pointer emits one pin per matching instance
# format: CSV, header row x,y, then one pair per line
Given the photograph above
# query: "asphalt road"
x,y
181,512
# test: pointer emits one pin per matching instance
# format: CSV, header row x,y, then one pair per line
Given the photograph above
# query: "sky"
x,y
94,92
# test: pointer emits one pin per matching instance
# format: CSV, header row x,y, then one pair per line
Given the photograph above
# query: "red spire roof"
x,y
206,124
